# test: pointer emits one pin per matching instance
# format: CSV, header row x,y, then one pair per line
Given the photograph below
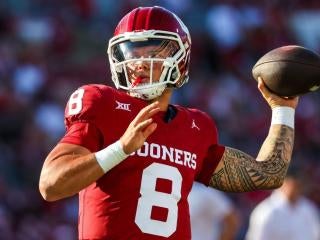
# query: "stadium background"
x,y
48,48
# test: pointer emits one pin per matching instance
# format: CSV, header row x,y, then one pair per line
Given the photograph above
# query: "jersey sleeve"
x,y
84,117
214,153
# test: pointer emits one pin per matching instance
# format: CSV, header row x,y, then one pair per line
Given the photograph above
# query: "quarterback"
x,y
132,156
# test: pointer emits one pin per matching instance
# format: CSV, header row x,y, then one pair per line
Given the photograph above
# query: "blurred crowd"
x,y
49,48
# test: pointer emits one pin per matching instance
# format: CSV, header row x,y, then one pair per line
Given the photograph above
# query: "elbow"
x,y
276,184
48,191
273,184
47,194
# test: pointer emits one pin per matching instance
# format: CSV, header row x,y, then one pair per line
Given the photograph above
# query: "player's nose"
x,y
141,65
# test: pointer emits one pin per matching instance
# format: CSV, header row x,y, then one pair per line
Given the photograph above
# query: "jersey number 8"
x,y
150,197
75,102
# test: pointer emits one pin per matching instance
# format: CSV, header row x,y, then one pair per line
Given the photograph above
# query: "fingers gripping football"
x,y
141,127
274,100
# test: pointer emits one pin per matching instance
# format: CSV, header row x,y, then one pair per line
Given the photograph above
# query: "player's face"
x,y
145,59
142,71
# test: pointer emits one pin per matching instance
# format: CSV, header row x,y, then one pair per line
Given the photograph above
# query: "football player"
x,y
132,156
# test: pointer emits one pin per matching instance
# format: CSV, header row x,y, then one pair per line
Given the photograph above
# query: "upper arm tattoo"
x,y
239,172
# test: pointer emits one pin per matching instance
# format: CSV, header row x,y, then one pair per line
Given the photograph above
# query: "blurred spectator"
x,y
213,216
35,30
286,214
224,25
28,79
49,118
306,26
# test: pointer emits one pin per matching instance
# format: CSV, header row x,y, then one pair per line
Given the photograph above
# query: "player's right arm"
x,y
69,168
240,172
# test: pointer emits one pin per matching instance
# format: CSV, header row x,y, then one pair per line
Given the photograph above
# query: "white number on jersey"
x,y
150,197
75,102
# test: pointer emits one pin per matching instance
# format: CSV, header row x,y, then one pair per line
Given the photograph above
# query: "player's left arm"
x,y
240,172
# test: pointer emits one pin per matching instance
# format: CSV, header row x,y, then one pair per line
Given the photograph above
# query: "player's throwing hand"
x,y
275,101
140,128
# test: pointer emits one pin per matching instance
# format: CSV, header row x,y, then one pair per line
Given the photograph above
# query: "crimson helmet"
x,y
165,41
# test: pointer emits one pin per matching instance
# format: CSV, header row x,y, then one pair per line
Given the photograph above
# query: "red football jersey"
x,y
145,196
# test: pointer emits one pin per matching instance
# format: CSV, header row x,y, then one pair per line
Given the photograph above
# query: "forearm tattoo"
x,y
239,172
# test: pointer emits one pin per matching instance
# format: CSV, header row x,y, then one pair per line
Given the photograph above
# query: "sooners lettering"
x,y
174,155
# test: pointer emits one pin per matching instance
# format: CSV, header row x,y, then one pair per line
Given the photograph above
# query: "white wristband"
x,y
283,115
110,156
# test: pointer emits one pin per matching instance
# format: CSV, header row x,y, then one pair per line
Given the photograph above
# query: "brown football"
x,y
289,70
